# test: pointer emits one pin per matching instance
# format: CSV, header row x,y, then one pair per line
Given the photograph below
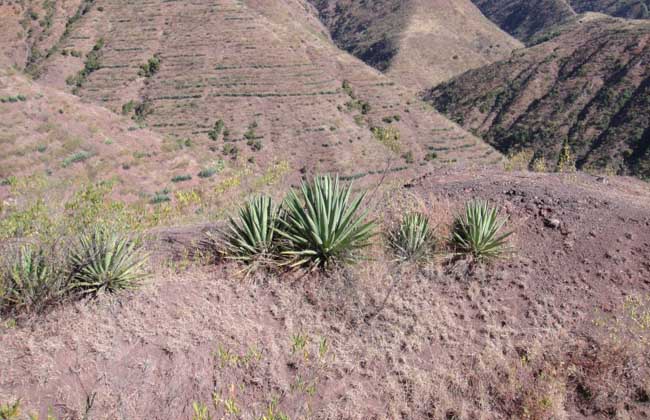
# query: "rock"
x,y
553,223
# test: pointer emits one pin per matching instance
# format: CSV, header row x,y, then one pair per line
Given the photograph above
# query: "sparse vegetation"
x,y
477,232
322,226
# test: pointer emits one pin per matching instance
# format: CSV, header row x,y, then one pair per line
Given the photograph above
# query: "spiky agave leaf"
x,y
413,238
31,281
477,231
106,262
322,225
252,236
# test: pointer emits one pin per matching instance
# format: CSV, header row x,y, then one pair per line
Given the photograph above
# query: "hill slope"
x,y
589,86
419,43
525,19
528,19
282,90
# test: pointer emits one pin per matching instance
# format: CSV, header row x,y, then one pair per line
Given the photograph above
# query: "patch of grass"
x,y
322,226
103,261
477,231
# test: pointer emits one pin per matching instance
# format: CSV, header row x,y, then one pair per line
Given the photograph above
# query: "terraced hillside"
x,y
30,28
253,81
528,20
418,42
50,136
588,88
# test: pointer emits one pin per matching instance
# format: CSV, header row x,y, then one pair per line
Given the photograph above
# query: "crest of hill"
x,y
420,43
527,19
589,87
282,91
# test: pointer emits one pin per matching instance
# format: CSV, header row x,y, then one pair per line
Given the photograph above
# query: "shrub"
x,y
216,130
477,231
252,236
207,173
159,198
182,178
566,161
322,226
77,157
103,261
413,239
31,281
150,68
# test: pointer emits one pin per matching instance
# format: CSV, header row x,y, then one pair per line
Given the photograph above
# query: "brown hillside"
x,y
51,135
266,71
418,43
589,86
556,330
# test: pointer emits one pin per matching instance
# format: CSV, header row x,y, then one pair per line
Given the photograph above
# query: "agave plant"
x,y
413,238
322,225
31,281
252,236
476,232
106,262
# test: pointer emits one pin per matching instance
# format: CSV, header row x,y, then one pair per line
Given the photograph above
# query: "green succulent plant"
x,y
103,261
477,231
321,225
413,238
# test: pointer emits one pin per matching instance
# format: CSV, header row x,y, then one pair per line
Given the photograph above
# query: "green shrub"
x,y
77,157
322,226
207,173
159,198
216,130
31,281
150,68
103,261
182,178
230,150
476,232
413,239
252,236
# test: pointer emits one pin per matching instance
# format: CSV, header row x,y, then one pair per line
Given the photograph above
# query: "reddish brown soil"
x,y
149,354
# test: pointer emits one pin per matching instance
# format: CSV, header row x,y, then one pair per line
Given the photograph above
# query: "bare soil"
x,y
448,342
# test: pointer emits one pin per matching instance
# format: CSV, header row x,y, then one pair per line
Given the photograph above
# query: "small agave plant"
x,y
103,261
253,235
477,231
322,225
31,281
413,239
